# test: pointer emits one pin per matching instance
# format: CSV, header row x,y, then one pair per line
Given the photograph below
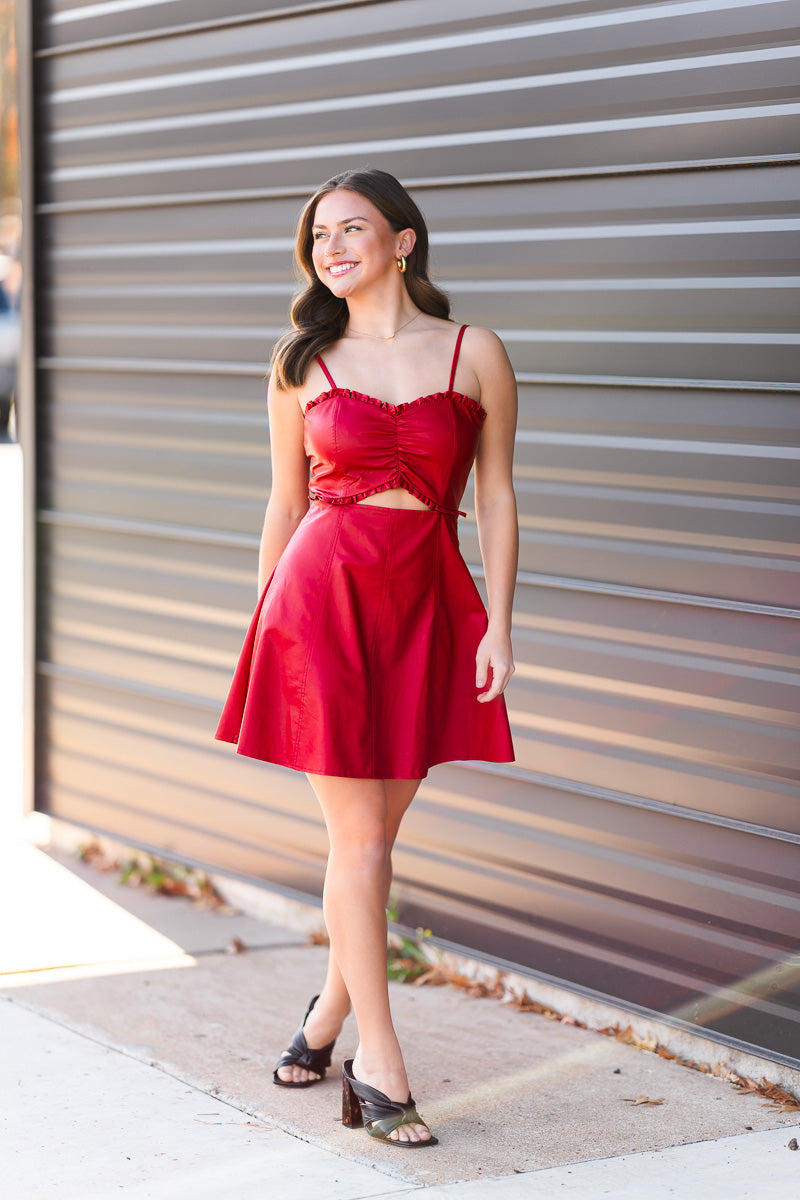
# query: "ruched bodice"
x,y
359,445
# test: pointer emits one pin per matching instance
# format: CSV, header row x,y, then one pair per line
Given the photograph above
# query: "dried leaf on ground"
x,y
663,1052
630,1037
93,854
642,1100
777,1097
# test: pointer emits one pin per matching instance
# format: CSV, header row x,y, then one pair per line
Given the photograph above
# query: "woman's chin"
x,y
341,285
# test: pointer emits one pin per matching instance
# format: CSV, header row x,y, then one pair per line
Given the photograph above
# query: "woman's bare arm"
x,y
288,498
496,506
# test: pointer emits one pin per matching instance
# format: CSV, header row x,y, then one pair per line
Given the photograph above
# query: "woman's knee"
x,y
365,845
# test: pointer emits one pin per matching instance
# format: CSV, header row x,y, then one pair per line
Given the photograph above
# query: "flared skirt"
x,y
360,657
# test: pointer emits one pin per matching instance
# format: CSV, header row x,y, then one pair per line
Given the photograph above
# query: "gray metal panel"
x,y
645,844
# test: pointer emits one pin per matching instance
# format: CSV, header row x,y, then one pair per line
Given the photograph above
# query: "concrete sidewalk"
x,y
138,1057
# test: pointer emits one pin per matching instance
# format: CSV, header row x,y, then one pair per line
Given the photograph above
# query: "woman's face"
x,y
354,245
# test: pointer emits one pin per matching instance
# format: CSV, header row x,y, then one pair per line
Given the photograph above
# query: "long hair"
x,y
320,318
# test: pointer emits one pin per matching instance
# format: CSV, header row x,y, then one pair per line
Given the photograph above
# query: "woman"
x,y
370,656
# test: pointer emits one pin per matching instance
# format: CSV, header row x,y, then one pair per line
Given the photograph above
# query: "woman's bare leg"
x,y
361,833
325,1022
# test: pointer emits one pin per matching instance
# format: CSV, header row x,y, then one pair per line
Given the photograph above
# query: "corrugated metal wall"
x,y
611,186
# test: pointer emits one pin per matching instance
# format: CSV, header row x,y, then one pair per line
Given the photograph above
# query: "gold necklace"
x,y
381,337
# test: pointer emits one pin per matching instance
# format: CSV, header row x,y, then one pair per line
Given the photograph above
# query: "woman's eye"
x,y
357,228
318,235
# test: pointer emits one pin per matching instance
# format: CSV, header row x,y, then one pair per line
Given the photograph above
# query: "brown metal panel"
x,y
532,91
645,844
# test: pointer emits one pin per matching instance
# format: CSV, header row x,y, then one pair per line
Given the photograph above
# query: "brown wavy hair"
x,y
320,318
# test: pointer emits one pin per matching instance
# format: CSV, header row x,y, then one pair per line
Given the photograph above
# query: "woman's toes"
x,y
296,1074
413,1133
410,1133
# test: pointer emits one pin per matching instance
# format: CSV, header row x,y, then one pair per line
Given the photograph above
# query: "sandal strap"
x,y
380,1123
299,1054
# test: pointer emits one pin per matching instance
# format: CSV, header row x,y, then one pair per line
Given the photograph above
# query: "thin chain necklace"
x,y
381,337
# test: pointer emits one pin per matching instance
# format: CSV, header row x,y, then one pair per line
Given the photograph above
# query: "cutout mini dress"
x,y
360,657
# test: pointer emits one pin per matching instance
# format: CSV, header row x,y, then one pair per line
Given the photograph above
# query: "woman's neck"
x,y
381,317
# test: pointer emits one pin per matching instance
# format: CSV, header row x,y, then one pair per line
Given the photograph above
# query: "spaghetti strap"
x,y
328,375
456,353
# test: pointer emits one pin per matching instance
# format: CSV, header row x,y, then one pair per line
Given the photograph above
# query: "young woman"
x,y
370,656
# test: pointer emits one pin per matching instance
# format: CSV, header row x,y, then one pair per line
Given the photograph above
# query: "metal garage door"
x,y
613,187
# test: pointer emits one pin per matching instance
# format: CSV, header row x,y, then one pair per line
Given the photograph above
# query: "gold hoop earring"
x,y
401,264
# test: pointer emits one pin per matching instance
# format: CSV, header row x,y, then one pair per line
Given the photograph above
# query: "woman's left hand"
x,y
494,653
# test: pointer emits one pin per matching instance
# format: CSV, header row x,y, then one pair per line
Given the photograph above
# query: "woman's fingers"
x,y
498,685
501,672
482,660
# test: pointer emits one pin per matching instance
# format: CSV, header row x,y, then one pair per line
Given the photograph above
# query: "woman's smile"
x,y
341,268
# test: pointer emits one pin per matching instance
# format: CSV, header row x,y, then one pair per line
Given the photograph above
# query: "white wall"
x,y
10,634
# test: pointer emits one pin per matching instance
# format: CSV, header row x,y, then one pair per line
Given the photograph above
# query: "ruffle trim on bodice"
x,y
467,401
398,480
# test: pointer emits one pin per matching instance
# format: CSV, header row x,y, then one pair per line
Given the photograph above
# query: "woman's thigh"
x,y
399,794
359,810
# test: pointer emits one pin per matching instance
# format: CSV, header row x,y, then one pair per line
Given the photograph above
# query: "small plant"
x,y
141,869
406,961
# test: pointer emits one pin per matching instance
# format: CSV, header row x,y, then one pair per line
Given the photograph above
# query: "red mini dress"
x,y
360,657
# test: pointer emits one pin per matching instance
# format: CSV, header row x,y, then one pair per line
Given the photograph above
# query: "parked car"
x,y
9,355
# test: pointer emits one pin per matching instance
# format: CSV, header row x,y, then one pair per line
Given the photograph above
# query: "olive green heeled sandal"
x,y
380,1116
299,1054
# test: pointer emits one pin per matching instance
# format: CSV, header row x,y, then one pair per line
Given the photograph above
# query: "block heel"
x,y
351,1107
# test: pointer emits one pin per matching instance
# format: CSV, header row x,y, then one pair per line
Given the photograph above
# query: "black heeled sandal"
x,y
299,1054
380,1116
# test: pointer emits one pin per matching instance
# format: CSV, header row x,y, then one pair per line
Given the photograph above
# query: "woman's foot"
x,y
308,1056
393,1082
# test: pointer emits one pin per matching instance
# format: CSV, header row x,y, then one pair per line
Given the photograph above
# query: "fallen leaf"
x,y
642,1100
777,1097
235,946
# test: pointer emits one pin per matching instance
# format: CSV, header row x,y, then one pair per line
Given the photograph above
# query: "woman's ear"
x,y
406,240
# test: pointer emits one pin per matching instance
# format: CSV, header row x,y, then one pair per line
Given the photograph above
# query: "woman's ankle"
x,y
333,1011
385,1059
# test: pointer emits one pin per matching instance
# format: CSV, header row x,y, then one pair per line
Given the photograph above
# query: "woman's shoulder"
x,y
316,380
483,348
478,338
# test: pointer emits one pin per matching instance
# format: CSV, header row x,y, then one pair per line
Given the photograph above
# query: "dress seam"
x,y
312,642
399,478
375,638
468,402
436,607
